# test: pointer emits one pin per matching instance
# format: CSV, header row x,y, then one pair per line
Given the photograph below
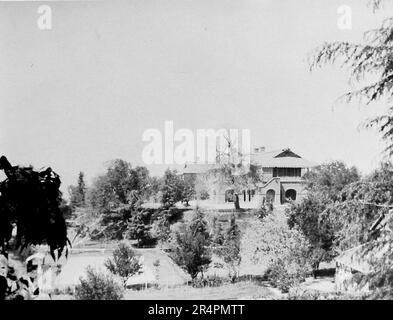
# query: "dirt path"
x,y
169,274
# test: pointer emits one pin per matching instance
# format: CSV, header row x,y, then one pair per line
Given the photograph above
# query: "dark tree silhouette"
x,y
30,200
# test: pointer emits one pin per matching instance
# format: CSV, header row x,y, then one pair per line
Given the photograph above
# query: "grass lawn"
x,y
241,290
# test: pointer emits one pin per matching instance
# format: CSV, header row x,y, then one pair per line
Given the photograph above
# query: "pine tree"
x,y
231,248
192,249
217,235
137,229
78,193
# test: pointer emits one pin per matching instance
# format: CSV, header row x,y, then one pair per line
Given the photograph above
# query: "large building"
x,y
279,178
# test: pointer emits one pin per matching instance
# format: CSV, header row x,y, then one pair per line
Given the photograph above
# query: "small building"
x,y
359,261
280,177
366,258
281,173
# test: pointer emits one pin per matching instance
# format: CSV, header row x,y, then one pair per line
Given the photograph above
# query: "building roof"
x,y
281,158
364,257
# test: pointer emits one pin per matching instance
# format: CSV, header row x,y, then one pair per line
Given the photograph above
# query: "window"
x,y
286,172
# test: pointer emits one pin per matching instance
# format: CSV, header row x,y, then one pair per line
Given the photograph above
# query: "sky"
x,y
81,94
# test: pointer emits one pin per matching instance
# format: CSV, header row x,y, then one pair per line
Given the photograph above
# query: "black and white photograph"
x,y
221,151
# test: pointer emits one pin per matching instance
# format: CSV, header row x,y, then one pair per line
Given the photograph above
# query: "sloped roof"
x,y
282,158
363,257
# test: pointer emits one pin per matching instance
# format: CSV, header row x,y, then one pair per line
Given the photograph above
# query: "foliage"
x,y
124,262
128,220
381,284
299,294
209,281
31,200
217,235
153,192
265,209
171,189
78,193
365,201
162,221
328,180
160,229
233,171
115,222
276,247
314,215
230,249
98,286
315,221
113,189
201,185
188,191
137,229
13,286
87,223
191,246
287,273
343,221
65,209
371,59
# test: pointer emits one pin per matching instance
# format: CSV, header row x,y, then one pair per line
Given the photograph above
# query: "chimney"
x,y
259,149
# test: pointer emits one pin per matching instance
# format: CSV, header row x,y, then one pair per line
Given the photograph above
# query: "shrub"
x,y
124,263
283,251
209,281
302,294
230,249
191,246
160,230
98,286
285,275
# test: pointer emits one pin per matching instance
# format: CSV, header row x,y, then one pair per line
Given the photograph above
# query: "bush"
x,y
209,281
191,245
124,263
98,286
271,244
285,276
302,294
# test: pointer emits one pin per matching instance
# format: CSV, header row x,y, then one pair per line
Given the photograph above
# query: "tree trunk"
x,y
315,269
236,202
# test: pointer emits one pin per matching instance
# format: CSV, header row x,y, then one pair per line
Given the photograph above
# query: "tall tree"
x,y
171,188
191,247
312,215
233,171
31,201
78,193
125,262
230,251
330,179
137,229
113,188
